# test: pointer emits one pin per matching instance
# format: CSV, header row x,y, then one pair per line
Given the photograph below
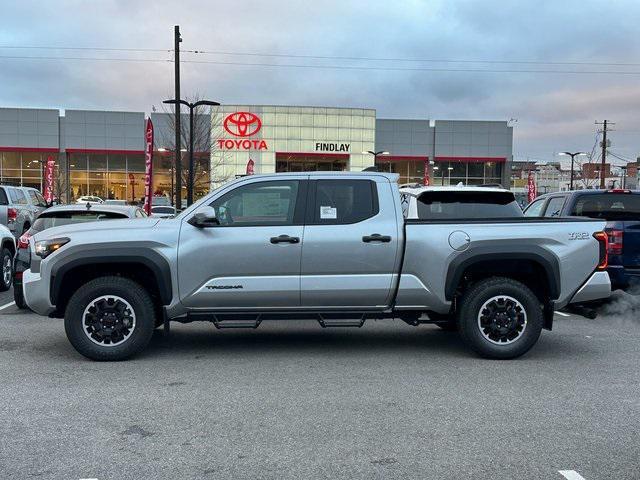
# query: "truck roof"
x,y
393,177
416,191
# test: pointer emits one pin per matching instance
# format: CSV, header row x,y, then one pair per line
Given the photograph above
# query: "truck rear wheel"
x,y
500,318
110,318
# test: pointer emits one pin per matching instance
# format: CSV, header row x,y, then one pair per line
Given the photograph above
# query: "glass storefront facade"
x,y
23,168
467,173
288,162
120,176
410,170
117,176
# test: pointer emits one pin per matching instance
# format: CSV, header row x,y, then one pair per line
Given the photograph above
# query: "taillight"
x,y
616,238
12,214
603,258
23,241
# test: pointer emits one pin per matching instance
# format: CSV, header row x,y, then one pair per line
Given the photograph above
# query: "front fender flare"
x,y
105,254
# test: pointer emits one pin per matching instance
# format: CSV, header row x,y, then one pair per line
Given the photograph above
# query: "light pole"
x,y
375,154
191,106
572,155
624,176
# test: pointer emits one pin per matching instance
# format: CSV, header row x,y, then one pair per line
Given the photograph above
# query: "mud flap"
x,y
548,312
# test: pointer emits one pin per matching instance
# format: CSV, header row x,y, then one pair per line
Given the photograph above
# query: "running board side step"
x,y
337,320
236,321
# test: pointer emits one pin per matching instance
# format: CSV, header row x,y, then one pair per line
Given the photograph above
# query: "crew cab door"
x,y
251,260
351,243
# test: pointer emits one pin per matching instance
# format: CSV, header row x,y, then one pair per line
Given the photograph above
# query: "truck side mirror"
x,y
205,218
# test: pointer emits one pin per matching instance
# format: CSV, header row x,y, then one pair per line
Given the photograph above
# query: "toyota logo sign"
x,y
242,124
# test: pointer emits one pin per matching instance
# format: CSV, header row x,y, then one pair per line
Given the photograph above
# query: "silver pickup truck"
x,y
331,247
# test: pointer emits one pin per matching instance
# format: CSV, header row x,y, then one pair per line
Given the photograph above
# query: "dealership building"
x,y
102,152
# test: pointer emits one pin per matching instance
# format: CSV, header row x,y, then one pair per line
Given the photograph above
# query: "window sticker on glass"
x,y
328,213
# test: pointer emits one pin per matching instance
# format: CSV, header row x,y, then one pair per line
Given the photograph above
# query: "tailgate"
x,y
630,242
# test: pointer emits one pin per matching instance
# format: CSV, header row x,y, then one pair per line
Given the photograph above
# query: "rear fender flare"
x,y
499,253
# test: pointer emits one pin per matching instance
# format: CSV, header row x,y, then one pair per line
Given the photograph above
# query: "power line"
x,y
329,67
416,60
97,49
326,57
107,59
413,69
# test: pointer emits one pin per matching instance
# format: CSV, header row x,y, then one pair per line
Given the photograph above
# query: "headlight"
x,y
44,248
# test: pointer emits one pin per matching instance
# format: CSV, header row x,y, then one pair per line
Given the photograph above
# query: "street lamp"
x,y
191,106
375,154
572,155
624,176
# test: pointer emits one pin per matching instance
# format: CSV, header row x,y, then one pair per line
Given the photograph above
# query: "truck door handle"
x,y
376,237
285,239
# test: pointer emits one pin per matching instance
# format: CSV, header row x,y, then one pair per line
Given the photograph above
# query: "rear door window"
x,y
535,208
608,206
554,207
344,201
3,197
41,201
33,197
451,205
18,197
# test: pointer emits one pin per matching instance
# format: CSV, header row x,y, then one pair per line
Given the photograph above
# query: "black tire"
x,y
18,296
6,257
446,322
517,299
142,312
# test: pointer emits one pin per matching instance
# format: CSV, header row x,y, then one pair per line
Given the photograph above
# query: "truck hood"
x,y
104,225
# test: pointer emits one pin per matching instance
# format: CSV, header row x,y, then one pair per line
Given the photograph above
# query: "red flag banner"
x,y
531,192
425,179
250,167
148,167
49,177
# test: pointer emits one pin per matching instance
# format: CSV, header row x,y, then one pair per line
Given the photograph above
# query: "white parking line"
x,y
570,474
7,305
562,314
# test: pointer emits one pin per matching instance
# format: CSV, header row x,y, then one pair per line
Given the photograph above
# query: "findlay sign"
x,y
333,147
242,125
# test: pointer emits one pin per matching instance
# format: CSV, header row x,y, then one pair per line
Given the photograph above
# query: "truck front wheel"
x,y
500,318
110,318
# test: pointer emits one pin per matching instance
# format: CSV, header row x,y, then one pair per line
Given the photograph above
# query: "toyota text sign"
x,y
241,126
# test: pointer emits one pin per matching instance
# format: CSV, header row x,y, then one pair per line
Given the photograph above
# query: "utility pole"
x,y
178,153
604,124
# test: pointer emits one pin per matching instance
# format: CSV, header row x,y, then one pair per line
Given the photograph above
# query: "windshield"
x,y
163,210
56,219
608,206
448,205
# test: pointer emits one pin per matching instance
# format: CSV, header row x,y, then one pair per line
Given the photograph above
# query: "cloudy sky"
x,y
407,59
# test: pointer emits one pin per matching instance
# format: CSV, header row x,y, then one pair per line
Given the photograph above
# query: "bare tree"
x,y
204,166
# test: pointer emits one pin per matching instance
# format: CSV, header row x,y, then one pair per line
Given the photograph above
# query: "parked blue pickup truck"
x,y
619,207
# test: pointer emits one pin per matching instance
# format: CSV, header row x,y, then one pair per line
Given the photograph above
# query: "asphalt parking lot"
x,y
291,400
